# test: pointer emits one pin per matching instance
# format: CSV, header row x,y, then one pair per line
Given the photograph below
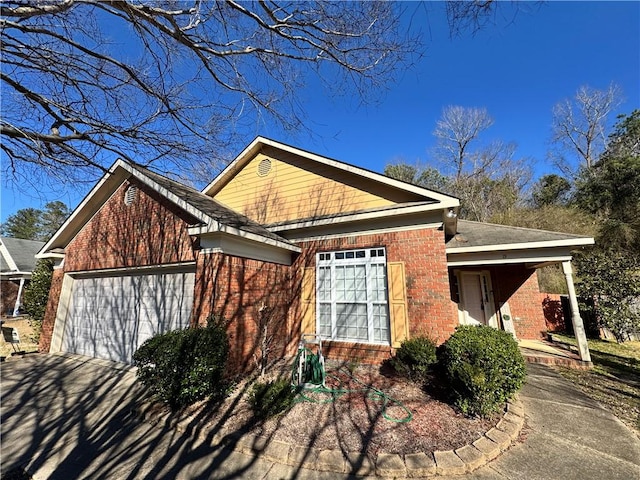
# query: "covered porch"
x,y
492,269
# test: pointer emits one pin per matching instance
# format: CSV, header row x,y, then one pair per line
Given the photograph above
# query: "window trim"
x,y
338,258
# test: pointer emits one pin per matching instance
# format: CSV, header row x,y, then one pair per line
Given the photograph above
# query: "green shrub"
x,y
183,366
415,358
482,368
272,398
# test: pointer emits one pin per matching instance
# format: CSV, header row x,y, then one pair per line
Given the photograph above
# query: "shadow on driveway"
x,y
69,417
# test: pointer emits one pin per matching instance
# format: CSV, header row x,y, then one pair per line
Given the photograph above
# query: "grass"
x,y
27,337
614,380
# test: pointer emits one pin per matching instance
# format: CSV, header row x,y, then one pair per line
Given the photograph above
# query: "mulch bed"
x,y
368,418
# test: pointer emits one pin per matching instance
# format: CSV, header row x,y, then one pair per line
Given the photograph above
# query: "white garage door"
x,y
111,316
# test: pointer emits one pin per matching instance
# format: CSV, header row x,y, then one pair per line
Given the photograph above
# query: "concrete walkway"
x,y
69,417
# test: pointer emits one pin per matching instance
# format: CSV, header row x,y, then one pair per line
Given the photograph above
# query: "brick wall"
x,y
150,231
9,293
518,285
430,308
553,312
246,295
51,310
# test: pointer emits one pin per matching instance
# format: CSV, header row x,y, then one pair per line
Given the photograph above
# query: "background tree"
x,y
485,176
54,215
611,189
427,177
403,172
25,223
188,77
36,294
35,224
550,189
579,127
610,282
456,129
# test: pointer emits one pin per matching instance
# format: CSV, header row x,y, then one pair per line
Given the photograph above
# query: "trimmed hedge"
x,y
482,368
415,358
183,366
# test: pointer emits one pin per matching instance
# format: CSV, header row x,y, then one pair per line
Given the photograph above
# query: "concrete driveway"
x,y
66,417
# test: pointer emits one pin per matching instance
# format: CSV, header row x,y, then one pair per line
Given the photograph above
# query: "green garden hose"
x,y
315,374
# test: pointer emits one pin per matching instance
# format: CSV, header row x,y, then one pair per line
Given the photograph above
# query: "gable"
x,y
274,183
147,230
200,217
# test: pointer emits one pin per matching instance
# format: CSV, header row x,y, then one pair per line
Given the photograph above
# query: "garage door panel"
x,y
110,317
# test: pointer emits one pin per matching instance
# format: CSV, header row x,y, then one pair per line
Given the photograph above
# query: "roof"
x,y
210,207
477,236
210,216
18,255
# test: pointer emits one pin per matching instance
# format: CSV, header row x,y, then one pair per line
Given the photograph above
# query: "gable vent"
x,y
130,195
264,167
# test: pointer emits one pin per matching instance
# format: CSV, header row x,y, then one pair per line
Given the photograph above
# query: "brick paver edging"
x,y
449,462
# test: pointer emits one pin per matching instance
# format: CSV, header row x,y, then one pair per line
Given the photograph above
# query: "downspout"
x,y
16,308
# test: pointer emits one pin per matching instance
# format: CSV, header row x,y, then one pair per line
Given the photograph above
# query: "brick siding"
x,y
518,285
553,312
51,310
152,231
9,293
430,307
246,295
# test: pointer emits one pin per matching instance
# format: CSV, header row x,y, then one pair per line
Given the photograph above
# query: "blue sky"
x,y
517,68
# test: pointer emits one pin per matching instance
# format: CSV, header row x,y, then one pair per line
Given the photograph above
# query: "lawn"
x,y
614,380
25,331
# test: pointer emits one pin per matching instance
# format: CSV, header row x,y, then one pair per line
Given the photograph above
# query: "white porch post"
x,y
16,308
576,320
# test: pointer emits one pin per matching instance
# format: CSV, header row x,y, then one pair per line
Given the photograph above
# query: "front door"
x,y
476,306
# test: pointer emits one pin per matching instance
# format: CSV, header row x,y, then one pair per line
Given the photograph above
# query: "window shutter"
x,y
308,301
397,303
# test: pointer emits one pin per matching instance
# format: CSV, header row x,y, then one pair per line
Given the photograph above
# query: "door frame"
x,y
489,303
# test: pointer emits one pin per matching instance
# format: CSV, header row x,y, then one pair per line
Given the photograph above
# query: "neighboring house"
x,y
17,260
310,244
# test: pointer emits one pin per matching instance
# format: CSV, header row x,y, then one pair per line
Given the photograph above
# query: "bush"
x,y
272,398
183,366
415,358
482,368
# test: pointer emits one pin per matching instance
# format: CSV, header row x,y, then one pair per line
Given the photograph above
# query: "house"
x,y
284,242
17,260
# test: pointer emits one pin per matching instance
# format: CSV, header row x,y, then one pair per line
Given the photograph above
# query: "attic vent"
x,y
130,195
264,167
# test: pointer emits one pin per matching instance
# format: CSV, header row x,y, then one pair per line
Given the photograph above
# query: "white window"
x,y
351,288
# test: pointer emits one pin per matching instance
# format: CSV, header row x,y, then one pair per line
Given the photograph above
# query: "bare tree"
x,y
485,176
457,128
580,127
170,82
475,15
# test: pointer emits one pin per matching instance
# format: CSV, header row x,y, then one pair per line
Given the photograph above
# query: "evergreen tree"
x,y
36,295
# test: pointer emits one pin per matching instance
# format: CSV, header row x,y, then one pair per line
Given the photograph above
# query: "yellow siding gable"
x,y
269,189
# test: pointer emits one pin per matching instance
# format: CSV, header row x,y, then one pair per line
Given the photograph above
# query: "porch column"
x,y
16,308
576,320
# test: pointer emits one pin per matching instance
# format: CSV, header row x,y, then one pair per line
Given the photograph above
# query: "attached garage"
x,y
111,315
